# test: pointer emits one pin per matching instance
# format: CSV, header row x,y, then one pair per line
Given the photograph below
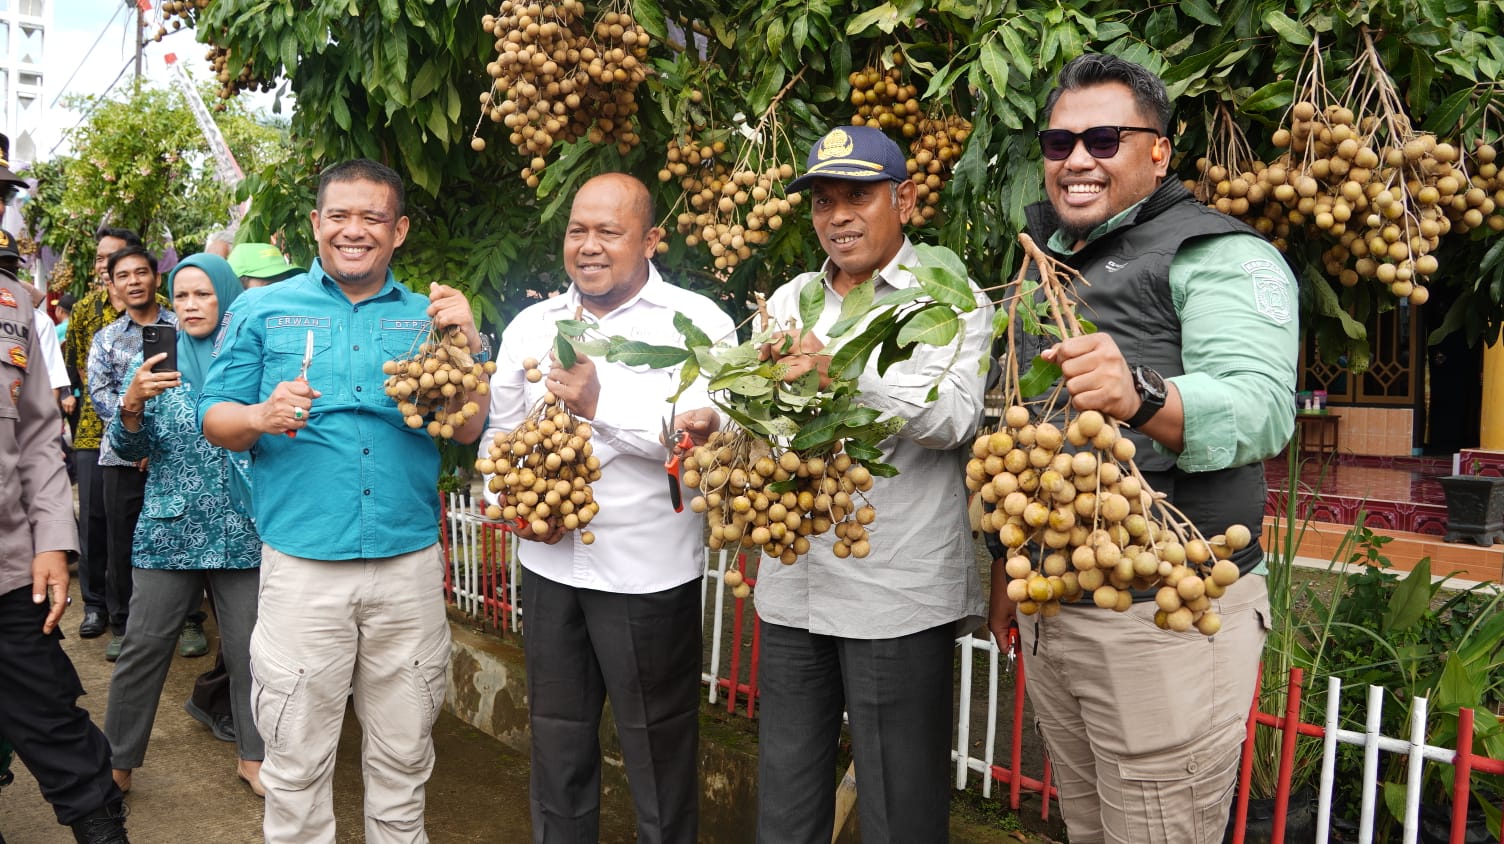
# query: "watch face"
x,y
1150,384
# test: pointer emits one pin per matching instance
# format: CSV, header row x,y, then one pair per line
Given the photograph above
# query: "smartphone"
x,y
156,339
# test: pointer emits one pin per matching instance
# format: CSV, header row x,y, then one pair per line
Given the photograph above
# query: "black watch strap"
x,y
1151,392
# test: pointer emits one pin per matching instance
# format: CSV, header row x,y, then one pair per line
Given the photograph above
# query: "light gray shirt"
x,y
922,570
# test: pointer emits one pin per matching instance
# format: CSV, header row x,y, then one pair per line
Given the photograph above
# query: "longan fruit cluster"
x,y
1385,202
558,79
932,158
177,14
543,470
1078,520
232,79
730,208
61,277
436,382
756,498
884,100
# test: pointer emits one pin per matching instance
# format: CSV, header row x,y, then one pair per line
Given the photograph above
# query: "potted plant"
x,y
1475,507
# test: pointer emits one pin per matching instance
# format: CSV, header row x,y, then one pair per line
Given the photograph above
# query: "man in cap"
x,y
874,636
260,264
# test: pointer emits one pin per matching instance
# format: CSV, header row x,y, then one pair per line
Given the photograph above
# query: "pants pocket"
x,y
1181,794
430,682
277,702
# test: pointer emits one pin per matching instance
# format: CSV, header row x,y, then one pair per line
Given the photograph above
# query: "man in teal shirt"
x,y
1196,351
346,503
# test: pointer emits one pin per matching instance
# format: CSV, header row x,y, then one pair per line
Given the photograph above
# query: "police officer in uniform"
x,y
39,715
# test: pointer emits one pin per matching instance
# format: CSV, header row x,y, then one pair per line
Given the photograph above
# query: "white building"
x,y
24,25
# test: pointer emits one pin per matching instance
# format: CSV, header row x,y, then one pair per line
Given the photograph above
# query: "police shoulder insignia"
x,y
18,356
7,298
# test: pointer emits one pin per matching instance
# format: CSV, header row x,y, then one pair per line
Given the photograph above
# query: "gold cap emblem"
x,y
837,144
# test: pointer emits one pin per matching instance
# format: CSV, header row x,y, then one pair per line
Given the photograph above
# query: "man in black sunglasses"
x,y
1196,351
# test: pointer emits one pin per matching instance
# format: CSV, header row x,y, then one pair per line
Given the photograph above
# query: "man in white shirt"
x,y
619,617
872,636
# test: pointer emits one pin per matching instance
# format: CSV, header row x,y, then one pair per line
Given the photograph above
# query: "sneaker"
x,y
222,726
112,650
192,642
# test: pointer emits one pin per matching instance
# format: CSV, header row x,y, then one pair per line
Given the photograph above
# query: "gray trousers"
x,y
897,694
159,601
643,651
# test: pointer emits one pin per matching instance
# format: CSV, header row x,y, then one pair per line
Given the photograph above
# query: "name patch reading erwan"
x,y
297,322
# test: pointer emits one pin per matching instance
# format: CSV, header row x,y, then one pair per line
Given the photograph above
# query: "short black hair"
x,y
128,235
66,301
1092,69
363,170
127,252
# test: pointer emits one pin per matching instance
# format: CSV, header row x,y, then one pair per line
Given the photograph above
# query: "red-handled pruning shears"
x,y
676,441
303,372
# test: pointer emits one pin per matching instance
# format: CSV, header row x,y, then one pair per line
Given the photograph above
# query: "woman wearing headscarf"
x,y
195,530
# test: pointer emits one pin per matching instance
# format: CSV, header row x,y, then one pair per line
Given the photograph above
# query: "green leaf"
x,y
945,80
851,358
1201,11
884,16
811,305
1275,96
1411,600
692,334
649,15
572,327
826,427
638,353
591,348
934,325
995,63
564,351
1448,113
862,451
1292,32
999,322
854,308
1023,57
427,79
1041,376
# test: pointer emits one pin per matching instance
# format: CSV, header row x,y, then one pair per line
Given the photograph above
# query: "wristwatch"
x,y
482,354
1151,392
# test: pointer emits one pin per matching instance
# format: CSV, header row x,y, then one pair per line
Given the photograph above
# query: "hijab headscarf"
x,y
195,353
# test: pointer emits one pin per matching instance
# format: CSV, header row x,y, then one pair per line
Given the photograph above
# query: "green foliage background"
x,y
399,81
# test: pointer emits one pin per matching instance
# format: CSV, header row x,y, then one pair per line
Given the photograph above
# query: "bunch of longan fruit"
x,y
884,100
177,14
542,470
436,382
754,497
730,208
932,158
1382,193
558,79
1078,520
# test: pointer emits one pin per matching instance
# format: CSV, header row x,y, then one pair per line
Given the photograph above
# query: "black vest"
x,y
1129,299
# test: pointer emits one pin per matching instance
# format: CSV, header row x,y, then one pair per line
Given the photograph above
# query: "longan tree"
x,y
497,110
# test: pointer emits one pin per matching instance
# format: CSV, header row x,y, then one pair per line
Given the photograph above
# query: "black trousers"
x,y
641,651
93,540
40,716
897,694
124,490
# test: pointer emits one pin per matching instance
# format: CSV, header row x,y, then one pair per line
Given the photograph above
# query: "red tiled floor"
x,y
1391,493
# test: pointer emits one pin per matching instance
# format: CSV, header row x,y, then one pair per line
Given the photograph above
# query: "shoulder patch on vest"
x,y
1271,290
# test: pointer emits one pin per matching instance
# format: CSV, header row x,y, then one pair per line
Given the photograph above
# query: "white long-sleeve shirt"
x,y
641,545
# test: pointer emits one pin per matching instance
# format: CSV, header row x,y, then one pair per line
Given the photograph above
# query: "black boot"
x,y
105,825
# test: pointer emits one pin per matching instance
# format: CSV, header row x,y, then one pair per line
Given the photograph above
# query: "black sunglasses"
x,y
1100,141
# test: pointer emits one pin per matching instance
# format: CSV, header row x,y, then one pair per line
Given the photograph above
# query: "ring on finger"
x,y
297,413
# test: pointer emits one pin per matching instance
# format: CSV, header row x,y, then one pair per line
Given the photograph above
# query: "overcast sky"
x,y
76,25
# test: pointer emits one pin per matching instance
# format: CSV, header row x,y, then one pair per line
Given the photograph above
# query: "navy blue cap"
x,y
855,153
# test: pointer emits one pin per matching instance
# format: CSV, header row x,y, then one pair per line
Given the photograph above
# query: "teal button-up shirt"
x,y
356,483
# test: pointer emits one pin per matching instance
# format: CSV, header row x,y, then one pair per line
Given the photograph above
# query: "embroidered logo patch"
x,y
15,392
1114,266
7,298
837,144
18,356
1271,290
